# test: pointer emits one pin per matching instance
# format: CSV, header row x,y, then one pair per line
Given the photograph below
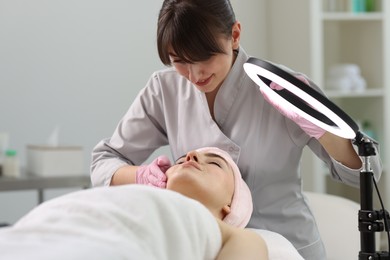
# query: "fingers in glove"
x,y
163,161
157,174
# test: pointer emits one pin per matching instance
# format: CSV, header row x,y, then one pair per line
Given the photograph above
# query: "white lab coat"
x,y
266,146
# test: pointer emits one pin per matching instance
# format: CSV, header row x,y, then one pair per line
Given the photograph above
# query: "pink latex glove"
x,y
311,129
153,174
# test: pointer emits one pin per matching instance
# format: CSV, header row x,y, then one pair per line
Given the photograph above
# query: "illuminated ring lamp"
x,y
300,98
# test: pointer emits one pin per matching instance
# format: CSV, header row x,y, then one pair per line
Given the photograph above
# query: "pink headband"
x,y
241,207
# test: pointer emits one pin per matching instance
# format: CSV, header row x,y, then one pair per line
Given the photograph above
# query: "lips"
x,y
204,82
191,164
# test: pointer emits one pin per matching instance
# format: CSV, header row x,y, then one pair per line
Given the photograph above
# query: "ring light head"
x,y
301,98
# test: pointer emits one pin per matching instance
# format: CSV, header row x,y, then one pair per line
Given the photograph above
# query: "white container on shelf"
x,y
11,167
43,160
345,77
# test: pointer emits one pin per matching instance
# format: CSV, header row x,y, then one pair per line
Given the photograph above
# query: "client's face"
x,y
205,177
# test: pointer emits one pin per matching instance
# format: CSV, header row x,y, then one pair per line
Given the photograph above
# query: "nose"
x,y
192,156
194,72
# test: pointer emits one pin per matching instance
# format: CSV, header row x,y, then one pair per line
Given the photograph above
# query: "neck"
x,y
210,97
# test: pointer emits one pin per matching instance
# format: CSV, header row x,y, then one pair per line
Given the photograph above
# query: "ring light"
x,y
313,106
300,98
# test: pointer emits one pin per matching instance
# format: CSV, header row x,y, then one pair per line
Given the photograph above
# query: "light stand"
x,y
369,219
313,106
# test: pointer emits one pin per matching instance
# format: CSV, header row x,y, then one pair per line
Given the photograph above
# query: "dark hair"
x,y
191,28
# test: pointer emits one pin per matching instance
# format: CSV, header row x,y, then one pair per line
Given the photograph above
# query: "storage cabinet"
x,y
346,37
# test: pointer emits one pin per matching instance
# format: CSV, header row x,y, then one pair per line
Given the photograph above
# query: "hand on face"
x,y
154,173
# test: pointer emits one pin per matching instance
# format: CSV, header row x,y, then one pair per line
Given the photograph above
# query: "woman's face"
x,y
209,75
205,177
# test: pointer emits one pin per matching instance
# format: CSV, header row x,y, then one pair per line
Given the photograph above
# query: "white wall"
x,y
78,65
252,16
288,38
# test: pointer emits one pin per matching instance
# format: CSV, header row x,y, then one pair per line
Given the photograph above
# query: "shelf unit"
x,y
362,39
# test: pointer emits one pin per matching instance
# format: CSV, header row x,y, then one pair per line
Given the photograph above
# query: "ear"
x,y
236,34
226,210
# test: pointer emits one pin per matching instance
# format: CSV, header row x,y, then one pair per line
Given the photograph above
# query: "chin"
x,y
179,182
185,185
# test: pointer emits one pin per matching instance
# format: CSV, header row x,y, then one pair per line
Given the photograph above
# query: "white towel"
x,y
125,222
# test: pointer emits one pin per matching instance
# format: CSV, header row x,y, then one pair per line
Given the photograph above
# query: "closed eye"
x,y
215,163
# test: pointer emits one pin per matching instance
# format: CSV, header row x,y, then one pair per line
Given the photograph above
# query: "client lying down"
x,y
142,222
